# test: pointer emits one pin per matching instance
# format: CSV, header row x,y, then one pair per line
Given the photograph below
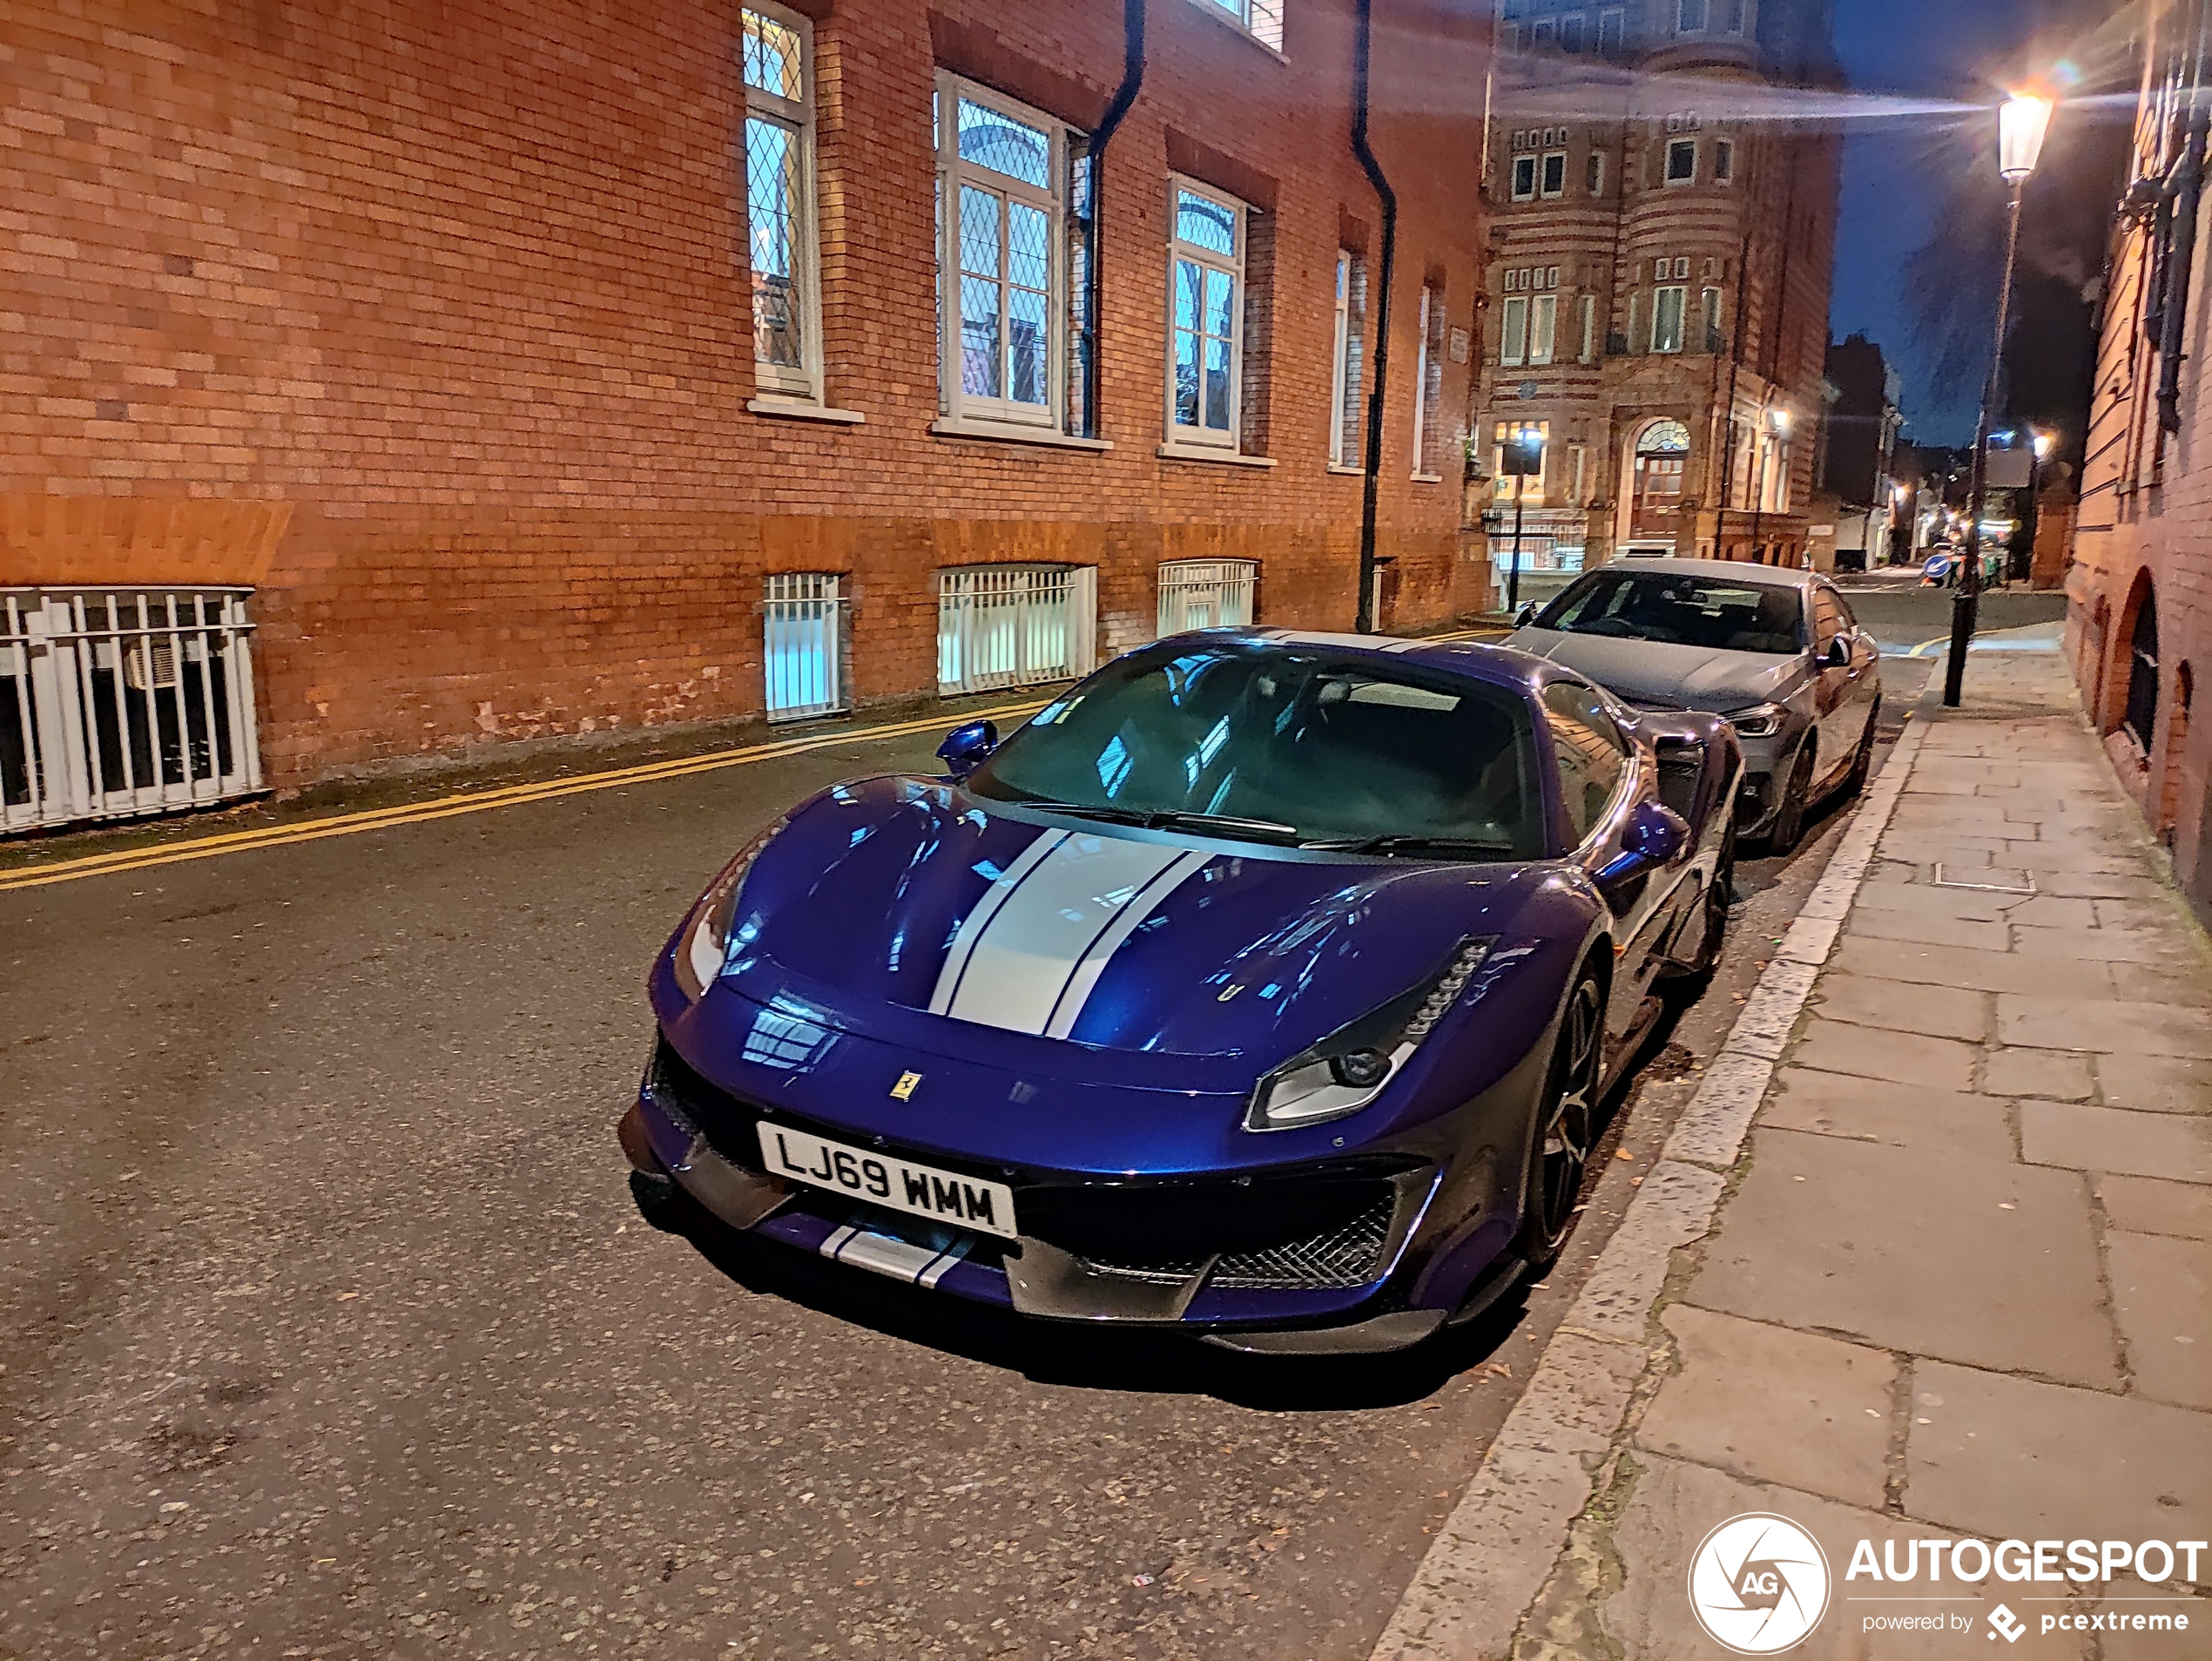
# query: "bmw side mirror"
x,y
967,748
1526,615
1838,655
1656,835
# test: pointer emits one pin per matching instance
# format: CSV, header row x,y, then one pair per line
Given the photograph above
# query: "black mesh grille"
x,y
1680,768
1345,1255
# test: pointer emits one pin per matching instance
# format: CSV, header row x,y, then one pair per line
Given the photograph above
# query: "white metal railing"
x,y
803,647
1011,625
118,702
1206,594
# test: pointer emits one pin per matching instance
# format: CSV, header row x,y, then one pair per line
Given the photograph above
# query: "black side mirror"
x,y
1526,615
967,748
1838,654
1657,836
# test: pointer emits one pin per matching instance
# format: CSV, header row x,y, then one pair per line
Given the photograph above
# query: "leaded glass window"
x,y
777,50
1205,333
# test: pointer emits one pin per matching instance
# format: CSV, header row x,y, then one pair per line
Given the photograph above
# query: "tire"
x,y
1790,817
660,1202
1565,1130
1862,765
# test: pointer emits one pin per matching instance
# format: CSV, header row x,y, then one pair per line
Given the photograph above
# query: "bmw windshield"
x,y
1681,609
1263,744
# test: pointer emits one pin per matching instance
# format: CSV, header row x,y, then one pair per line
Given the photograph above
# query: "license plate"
x,y
922,1191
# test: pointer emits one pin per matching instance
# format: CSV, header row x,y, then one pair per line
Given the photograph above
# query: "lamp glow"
x,y
2044,442
2022,122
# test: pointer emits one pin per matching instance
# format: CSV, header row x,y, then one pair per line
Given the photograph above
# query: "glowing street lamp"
x,y
2023,121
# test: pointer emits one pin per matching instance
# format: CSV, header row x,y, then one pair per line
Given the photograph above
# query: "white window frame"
x,y
1543,328
1428,380
1613,19
1589,328
967,595
1595,176
1512,332
1203,437
1724,161
1690,178
1340,391
803,382
1659,299
1227,586
1534,164
1682,13
1502,481
1579,21
1543,187
1261,19
1711,298
953,174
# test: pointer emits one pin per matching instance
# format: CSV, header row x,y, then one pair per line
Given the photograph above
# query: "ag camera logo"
x,y
1758,1584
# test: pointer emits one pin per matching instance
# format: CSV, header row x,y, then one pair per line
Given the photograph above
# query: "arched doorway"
x,y
2140,714
1655,471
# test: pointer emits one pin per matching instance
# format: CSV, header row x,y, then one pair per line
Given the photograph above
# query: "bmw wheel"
x,y
1863,763
1790,817
1566,1128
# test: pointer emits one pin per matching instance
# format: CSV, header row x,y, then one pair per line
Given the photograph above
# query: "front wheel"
x,y
1566,1128
1790,817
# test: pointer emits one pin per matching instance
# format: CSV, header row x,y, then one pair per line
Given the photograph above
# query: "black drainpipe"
x,y
1379,358
1124,96
2179,273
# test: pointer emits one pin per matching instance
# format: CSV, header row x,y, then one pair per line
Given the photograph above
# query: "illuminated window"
x,y
781,249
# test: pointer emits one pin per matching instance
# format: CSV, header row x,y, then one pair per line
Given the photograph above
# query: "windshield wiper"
x,y
1172,819
1395,844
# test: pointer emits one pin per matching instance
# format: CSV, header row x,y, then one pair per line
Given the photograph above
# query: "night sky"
x,y
1904,161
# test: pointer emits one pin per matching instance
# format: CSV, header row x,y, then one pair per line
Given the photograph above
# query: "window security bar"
x,y
116,703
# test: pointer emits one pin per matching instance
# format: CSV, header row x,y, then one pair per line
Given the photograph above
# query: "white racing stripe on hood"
x,y
1030,953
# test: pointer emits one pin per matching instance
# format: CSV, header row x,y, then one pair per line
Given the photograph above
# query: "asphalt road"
x,y
328,1327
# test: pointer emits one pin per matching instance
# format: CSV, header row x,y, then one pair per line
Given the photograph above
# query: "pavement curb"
x,y
1491,1559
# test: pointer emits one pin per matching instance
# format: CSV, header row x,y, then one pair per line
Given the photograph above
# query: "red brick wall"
x,y
2145,524
462,286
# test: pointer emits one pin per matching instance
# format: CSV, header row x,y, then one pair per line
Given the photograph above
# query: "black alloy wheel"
x,y
1790,817
1862,765
1566,1128
1720,896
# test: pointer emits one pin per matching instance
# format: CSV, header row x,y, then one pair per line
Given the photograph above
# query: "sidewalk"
x,y
1930,1257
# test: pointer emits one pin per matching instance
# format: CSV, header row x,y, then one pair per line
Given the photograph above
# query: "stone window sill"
x,y
1200,453
795,409
1429,478
1349,470
951,426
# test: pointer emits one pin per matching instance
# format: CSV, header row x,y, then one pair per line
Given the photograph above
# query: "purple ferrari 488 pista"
x,y
1264,986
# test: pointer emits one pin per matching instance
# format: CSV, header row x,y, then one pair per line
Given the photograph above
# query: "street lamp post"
x,y
2021,124
1524,455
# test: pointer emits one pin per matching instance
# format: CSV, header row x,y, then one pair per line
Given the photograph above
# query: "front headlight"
x,y
1347,1070
1761,721
704,942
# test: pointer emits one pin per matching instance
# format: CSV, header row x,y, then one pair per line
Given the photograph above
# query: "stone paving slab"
x,y
2057,1073
1994,969
2110,1139
2162,1292
2073,1023
2155,1083
1874,1052
2013,1458
1904,1115
2147,1205
1768,1404
1937,1011
1885,1246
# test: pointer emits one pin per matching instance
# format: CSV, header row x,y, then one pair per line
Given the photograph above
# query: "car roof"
x,y
1499,666
1730,570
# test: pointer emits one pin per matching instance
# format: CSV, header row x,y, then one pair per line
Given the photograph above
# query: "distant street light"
x,y
2022,122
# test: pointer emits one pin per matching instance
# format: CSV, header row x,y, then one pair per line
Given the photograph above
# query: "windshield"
x,y
1681,609
1304,747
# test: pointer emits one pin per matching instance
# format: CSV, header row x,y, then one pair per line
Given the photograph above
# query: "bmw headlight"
x,y
704,941
1761,721
1347,1070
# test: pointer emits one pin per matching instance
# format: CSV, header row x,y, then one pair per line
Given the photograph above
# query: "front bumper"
x,y
1338,1277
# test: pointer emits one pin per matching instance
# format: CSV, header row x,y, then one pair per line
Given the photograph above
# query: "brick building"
x,y
1860,462
1663,243
2140,588
554,371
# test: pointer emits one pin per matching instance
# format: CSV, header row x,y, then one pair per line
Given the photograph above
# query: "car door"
x,y
1865,670
1832,684
1601,773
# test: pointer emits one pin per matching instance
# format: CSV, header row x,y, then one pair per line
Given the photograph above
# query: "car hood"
x,y
1681,677
909,909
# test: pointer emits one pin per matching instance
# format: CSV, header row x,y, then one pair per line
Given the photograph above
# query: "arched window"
x,y
1664,438
2141,718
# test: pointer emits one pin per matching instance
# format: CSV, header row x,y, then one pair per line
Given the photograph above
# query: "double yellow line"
x,y
478,802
